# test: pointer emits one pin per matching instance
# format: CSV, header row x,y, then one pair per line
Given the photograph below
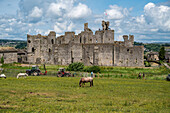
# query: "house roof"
x,y
7,49
152,53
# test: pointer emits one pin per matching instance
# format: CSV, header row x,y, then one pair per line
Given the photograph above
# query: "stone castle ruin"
x,y
98,49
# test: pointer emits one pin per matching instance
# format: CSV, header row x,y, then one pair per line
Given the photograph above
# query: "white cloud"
x,y
140,19
8,29
158,16
60,8
80,11
36,13
56,9
60,27
63,27
71,26
116,12
42,16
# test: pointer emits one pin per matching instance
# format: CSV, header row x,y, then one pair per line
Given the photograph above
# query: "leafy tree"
x,y
77,66
21,45
162,53
2,60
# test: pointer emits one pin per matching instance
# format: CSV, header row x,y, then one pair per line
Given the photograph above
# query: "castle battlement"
x,y
69,48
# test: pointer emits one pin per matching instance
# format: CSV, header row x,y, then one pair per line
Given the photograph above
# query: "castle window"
x,y
96,40
52,41
49,50
33,49
29,41
127,49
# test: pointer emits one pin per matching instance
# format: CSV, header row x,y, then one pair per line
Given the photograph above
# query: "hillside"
x,y
18,44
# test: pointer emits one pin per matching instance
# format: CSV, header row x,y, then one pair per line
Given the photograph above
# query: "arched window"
x,y
52,41
29,41
49,50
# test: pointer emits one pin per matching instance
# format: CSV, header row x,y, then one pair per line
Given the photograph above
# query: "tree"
x,y
162,53
2,60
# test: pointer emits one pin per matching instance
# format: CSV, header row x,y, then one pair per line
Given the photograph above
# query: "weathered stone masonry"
x,y
99,49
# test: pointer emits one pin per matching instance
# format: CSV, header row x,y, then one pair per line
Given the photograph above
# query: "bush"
x,y
2,60
147,64
94,69
77,66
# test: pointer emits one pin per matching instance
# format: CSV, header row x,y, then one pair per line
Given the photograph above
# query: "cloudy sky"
x,y
147,20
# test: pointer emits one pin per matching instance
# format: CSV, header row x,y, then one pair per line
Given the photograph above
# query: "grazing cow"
x,y
22,75
85,80
2,76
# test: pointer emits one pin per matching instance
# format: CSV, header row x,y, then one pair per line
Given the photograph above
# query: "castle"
x,y
99,49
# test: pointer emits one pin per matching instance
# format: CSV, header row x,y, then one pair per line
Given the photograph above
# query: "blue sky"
x,y
147,20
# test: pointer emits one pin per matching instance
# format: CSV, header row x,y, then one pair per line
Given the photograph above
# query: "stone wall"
x,y
128,56
9,57
99,49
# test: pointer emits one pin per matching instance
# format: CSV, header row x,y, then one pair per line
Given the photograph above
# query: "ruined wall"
x,y
97,54
105,54
128,56
33,47
64,54
9,57
76,53
99,49
88,57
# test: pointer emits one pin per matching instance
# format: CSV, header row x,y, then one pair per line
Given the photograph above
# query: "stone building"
x,y
167,54
22,56
152,56
91,49
9,54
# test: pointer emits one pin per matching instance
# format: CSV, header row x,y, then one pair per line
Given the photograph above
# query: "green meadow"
x,y
115,90
52,94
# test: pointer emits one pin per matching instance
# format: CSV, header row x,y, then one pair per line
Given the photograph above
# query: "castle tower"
x,y
128,41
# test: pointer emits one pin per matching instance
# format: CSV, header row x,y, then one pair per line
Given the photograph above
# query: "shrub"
x,y
94,69
77,66
2,60
147,64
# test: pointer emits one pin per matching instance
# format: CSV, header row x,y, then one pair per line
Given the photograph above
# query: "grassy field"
x,y
53,94
116,90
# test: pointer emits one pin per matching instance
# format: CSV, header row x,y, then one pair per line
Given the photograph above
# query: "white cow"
x,y
2,76
22,75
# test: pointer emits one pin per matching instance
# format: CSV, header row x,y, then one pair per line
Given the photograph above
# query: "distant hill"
x,y
152,46
18,44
